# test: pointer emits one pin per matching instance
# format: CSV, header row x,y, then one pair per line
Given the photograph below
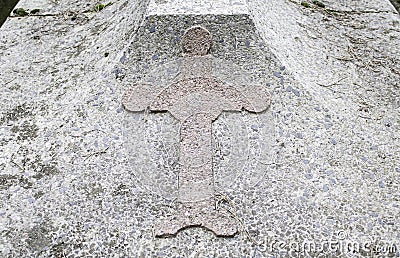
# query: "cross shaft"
x,y
196,98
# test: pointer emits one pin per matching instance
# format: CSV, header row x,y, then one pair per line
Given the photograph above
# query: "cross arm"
x,y
138,97
257,96
211,94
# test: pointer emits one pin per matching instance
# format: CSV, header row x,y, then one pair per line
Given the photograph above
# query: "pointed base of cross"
x,y
199,214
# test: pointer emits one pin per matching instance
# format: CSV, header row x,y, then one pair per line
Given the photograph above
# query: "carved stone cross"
x,y
196,98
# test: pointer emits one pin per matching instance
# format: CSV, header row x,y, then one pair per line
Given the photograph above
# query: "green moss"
x,y
34,11
99,7
319,4
305,4
20,12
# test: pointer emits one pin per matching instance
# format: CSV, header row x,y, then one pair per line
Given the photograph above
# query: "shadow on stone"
x,y
6,6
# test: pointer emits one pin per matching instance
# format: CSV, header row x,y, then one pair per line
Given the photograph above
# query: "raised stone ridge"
x,y
216,7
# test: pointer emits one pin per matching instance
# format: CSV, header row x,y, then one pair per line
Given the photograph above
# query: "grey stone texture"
x,y
197,7
196,99
321,166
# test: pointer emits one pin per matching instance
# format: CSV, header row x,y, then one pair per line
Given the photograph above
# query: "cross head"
x,y
196,98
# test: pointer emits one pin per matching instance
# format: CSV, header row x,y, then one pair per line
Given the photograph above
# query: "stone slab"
x,y
198,7
64,184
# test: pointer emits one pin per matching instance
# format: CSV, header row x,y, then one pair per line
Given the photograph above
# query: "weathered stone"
x,y
196,99
96,178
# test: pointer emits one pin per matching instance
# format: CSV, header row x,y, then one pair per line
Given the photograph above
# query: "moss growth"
x,y
305,4
34,11
20,12
99,7
319,4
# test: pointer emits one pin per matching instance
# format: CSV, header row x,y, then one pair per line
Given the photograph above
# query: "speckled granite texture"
x,y
196,97
320,179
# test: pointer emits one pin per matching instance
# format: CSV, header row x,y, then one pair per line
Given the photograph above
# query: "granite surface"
x,y
316,175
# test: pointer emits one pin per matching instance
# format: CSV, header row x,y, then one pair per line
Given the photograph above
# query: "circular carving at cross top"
x,y
196,41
